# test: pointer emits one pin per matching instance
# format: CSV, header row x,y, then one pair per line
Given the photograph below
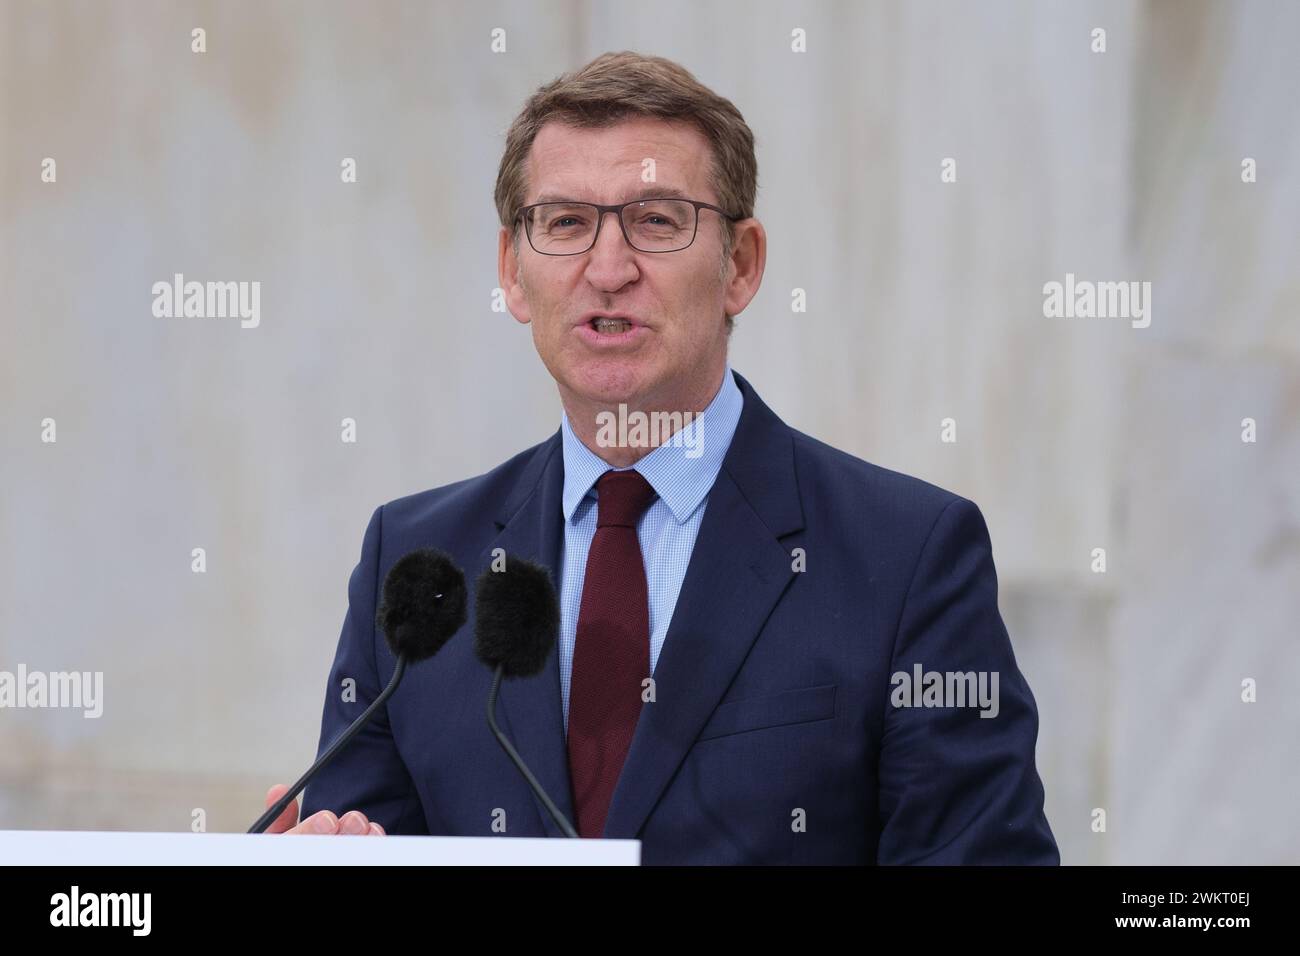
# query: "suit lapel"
x,y
530,524
737,573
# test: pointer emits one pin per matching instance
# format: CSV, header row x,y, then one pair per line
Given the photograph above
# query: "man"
x,y
742,605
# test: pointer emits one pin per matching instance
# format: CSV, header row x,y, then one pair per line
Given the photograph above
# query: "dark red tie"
x,y
611,654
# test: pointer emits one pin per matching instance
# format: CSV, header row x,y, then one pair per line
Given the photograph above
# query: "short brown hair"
x,y
615,86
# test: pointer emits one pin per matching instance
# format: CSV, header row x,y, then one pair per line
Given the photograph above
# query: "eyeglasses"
x,y
649,225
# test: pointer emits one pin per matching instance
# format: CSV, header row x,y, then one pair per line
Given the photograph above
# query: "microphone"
x,y
423,605
516,621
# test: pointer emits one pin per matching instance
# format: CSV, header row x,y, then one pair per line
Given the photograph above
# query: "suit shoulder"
x,y
830,474
465,498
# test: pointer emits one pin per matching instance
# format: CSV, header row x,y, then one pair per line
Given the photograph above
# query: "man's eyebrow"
x,y
645,192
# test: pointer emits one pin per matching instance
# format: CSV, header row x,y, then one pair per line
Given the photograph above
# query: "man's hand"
x,y
352,823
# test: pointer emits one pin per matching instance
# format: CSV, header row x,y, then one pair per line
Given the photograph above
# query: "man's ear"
x,y
509,279
749,257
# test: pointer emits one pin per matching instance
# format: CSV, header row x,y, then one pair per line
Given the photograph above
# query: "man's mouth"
x,y
608,326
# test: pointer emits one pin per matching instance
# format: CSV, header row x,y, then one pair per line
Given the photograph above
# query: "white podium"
x,y
119,848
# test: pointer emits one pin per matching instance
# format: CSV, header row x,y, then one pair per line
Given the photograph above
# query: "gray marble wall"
x,y
925,301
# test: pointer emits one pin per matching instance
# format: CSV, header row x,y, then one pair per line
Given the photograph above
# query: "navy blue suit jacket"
x,y
772,738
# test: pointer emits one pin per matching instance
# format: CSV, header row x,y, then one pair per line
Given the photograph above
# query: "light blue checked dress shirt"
x,y
681,472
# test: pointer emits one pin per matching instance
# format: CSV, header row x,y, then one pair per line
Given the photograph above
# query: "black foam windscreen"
x,y
516,617
424,604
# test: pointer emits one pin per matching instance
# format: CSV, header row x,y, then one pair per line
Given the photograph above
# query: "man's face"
x,y
676,349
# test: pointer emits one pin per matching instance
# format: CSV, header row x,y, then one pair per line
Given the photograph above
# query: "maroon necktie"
x,y
611,654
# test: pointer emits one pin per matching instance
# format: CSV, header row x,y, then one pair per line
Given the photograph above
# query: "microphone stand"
x,y
565,826
266,819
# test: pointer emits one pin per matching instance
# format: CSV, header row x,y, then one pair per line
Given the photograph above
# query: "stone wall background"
x,y
924,302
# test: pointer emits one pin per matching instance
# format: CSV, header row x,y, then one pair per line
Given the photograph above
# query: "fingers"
x,y
354,823
290,814
322,823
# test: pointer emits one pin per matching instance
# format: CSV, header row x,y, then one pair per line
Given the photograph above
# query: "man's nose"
x,y
612,261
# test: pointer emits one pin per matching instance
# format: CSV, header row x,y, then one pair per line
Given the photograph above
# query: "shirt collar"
x,y
681,471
